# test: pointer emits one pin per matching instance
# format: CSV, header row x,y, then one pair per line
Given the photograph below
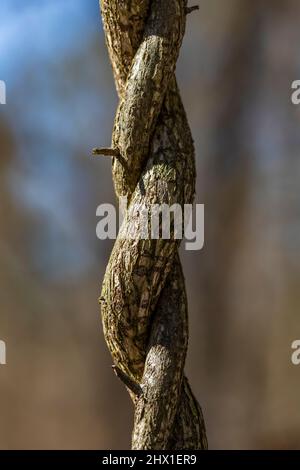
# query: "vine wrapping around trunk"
x,y
143,298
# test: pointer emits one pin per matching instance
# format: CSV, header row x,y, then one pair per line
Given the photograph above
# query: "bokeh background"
x,y
235,71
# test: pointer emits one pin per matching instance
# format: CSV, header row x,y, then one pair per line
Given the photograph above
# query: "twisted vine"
x,y
143,299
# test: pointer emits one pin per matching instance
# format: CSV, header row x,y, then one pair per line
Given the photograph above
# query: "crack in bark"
x,y
143,298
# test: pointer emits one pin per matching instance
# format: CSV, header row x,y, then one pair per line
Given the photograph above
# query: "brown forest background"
x,y
235,71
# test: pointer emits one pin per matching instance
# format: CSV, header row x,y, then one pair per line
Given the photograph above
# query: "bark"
x,y
143,299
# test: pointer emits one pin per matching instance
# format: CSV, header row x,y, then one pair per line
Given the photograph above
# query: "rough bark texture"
x,y
143,299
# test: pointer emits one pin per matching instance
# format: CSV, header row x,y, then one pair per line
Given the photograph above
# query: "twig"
x,y
107,152
131,384
191,9
110,152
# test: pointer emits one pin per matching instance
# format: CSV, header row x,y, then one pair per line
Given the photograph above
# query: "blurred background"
x,y
235,71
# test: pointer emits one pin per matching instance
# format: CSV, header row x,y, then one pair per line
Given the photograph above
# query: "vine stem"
x,y
143,297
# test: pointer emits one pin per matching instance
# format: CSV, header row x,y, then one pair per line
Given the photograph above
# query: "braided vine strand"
x,y
143,299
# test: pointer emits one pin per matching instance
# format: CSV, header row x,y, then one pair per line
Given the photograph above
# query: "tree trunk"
x,y
143,299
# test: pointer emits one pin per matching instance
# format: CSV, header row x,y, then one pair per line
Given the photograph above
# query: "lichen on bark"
x,y
143,298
